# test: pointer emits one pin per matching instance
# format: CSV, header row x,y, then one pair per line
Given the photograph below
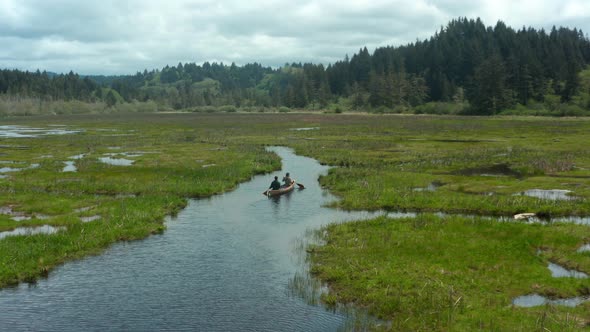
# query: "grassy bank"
x,y
171,162
460,274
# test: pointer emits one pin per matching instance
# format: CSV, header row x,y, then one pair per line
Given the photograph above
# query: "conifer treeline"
x,y
493,68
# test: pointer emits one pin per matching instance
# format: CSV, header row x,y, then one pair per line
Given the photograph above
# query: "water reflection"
x,y
90,218
552,194
116,161
70,167
45,229
13,131
16,169
558,271
535,300
305,128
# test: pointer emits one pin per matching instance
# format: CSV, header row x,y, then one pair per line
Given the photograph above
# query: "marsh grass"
x,y
483,163
423,273
131,201
453,273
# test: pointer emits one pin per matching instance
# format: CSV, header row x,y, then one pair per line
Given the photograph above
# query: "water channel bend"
x,y
224,264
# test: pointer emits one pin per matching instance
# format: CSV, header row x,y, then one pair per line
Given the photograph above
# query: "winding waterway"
x,y
224,264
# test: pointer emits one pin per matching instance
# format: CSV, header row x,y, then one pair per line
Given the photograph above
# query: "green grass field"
x,y
423,273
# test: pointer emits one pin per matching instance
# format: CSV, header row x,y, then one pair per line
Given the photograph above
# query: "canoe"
x,y
282,190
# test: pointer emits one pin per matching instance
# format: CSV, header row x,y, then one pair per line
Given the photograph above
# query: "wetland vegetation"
x,y
434,272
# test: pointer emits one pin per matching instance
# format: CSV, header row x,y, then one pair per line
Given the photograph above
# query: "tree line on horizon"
x,y
465,68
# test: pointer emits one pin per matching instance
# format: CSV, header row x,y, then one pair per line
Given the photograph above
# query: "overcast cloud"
x,y
123,37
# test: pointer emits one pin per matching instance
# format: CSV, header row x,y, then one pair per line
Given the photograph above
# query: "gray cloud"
x,y
122,37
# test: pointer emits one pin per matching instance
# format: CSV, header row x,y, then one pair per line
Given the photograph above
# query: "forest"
x,y
464,68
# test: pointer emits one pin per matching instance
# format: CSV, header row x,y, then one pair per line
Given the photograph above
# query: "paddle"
x,y
300,185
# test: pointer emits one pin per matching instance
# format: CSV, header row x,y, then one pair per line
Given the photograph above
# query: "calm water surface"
x,y
224,264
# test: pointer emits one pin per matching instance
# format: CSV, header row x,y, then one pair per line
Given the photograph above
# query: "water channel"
x,y
223,264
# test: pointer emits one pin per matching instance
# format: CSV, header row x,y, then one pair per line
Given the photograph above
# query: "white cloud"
x,y
123,37
576,9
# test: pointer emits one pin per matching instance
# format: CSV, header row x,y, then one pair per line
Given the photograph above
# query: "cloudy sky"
x,y
123,37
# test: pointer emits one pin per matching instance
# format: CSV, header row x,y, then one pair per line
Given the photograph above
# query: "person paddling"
x,y
287,181
275,185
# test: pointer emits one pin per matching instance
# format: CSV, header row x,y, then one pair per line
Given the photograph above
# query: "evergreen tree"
x,y
490,94
110,99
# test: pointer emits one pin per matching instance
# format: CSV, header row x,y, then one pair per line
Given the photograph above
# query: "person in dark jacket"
x,y
275,185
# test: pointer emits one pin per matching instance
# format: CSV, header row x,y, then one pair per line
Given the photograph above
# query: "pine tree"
x,y
490,94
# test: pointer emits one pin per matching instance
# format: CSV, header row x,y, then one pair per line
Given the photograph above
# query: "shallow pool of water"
x,y
535,300
90,218
305,128
584,248
558,271
431,187
45,229
125,154
13,131
10,169
116,161
17,169
70,166
78,156
551,194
